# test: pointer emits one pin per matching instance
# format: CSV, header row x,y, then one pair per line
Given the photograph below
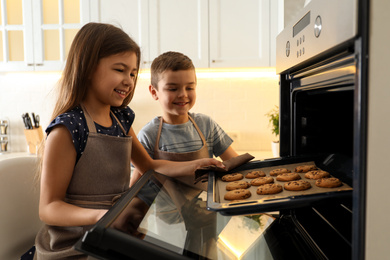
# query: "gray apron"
x,y
100,177
168,209
187,156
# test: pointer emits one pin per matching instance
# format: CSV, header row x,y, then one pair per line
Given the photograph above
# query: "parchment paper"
x,y
220,186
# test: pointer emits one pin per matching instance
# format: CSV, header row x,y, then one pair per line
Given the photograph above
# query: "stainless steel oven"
x,y
322,62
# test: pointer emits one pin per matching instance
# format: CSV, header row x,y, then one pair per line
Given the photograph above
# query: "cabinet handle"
x,y
214,61
147,62
30,64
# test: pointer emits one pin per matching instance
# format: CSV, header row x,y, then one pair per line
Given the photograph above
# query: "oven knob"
x,y
288,48
317,26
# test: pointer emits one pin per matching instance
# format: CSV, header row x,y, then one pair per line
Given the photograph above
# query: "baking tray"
x,y
338,166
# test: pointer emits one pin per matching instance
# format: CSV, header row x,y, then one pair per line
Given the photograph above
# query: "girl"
x,y
90,143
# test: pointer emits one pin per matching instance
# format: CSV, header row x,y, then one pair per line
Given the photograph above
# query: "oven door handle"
x,y
347,61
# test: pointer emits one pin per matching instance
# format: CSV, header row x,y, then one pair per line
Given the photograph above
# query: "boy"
x,y
179,135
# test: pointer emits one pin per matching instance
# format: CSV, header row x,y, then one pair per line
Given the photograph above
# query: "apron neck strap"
x,y
88,118
91,123
160,129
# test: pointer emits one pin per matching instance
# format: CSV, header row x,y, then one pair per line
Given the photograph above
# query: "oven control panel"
x,y
319,26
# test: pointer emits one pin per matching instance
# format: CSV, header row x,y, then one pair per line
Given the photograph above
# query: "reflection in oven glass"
x,y
241,234
175,217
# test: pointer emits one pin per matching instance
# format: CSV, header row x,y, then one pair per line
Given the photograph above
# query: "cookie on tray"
x,y
328,183
234,185
262,180
232,177
289,176
305,168
315,175
276,172
270,188
297,185
239,194
254,174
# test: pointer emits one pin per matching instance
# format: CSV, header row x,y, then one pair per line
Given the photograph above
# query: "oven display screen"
x,y
299,26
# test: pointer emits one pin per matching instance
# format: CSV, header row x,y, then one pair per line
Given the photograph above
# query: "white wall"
x,y
21,93
237,104
378,208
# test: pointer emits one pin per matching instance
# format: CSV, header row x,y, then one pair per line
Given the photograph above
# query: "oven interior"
x,y
323,121
317,117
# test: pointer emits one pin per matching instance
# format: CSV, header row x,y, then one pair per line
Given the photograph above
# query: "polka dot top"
x,y
75,122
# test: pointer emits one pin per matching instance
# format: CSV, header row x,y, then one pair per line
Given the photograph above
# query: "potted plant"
x,y
273,118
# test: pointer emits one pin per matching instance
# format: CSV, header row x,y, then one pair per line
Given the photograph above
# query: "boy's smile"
x,y
176,93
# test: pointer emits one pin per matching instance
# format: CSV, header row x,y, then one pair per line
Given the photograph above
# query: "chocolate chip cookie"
x,y
289,176
234,185
232,177
315,175
239,194
271,188
262,180
305,168
254,174
297,185
276,172
328,183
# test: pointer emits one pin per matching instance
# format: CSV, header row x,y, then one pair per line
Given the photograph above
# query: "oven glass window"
x,y
324,121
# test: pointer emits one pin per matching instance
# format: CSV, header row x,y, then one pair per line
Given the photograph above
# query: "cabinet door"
x,y
55,23
14,34
133,17
239,33
37,34
179,25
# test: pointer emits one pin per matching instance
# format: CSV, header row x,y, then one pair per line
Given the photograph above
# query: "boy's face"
x,y
176,92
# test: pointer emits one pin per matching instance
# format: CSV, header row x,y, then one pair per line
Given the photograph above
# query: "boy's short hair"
x,y
170,60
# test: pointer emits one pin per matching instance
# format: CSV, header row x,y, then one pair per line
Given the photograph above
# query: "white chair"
x,y
19,198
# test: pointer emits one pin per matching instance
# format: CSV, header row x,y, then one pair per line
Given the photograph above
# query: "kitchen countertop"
x,y
259,155
9,155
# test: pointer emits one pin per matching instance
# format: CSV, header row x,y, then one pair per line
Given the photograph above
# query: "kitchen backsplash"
x,y
237,103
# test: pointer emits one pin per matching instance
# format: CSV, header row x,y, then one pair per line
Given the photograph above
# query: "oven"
x,y
321,60
322,63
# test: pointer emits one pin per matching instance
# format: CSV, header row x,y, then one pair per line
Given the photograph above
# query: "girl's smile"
x,y
113,79
122,93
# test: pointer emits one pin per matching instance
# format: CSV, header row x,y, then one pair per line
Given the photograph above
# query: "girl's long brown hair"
x,y
93,42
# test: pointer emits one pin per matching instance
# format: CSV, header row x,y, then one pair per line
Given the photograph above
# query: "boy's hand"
x,y
209,162
227,166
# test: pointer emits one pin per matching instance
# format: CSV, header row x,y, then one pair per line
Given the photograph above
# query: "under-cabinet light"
x,y
269,72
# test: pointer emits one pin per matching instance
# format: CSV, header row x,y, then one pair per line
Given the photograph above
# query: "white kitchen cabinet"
x,y
240,33
161,26
130,15
213,33
36,35
179,25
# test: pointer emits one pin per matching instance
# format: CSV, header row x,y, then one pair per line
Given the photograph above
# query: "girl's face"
x,y
176,93
113,79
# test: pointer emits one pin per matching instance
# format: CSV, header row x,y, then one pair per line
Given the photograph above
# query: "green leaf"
x,y
273,118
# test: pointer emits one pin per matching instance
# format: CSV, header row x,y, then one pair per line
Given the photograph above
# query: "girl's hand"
x,y
100,214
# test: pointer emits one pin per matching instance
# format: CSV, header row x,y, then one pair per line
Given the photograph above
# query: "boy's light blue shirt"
x,y
184,137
